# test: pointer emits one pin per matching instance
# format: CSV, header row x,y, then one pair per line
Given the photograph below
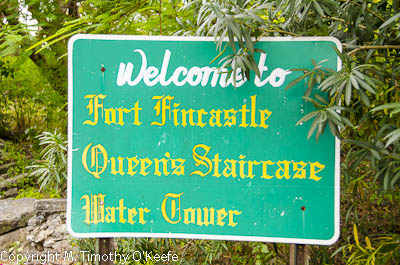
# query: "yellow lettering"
x,y
231,215
179,169
201,159
142,211
175,112
93,107
241,166
231,168
244,111
264,169
121,112
285,170
230,117
189,219
215,118
201,112
173,208
110,216
131,213
164,165
184,113
95,151
120,166
86,208
110,116
250,164
132,166
145,163
208,216
221,214
136,109
300,173
161,107
121,208
253,112
314,171
264,115
216,161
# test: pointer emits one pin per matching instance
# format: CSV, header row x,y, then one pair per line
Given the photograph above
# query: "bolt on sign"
x,y
165,143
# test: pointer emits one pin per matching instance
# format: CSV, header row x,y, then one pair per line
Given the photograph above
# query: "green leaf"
x,y
318,8
307,117
386,179
365,86
231,40
393,136
354,82
297,80
327,82
387,106
233,26
375,154
395,179
313,127
333,128
348,92
255,66
364,97
249,42
334,114
390,20
321,99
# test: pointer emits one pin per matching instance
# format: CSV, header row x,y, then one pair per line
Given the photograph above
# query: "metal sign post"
x,y
105,247
299,254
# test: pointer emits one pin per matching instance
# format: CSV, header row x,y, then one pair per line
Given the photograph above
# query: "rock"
x,y
30,238
34,221
5,184
40,237
13,192
45,232
43,223
3,176
39,247
15,214
61,230
61,246
7,239
4,168
49,243
51,205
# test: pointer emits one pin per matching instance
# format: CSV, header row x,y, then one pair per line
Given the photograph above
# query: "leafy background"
x,y
361,104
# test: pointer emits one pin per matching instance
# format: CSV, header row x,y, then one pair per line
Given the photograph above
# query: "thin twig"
x,y
367,47
272,30
280,31
342,20
368,9
185,249
159,15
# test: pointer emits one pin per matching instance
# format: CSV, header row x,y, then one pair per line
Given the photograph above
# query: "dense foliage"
x,y
366,91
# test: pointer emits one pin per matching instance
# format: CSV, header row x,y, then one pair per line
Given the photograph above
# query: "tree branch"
x,y
367,47
278,31
368,9
159,15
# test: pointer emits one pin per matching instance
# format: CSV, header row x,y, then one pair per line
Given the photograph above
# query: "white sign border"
x,y
330,241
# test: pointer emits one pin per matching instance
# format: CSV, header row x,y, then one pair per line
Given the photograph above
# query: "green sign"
x,y
163,144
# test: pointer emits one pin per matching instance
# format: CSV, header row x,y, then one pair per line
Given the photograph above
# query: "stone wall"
x,y
37,225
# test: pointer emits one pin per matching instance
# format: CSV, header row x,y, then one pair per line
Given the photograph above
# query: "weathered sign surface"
x,y
162,144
